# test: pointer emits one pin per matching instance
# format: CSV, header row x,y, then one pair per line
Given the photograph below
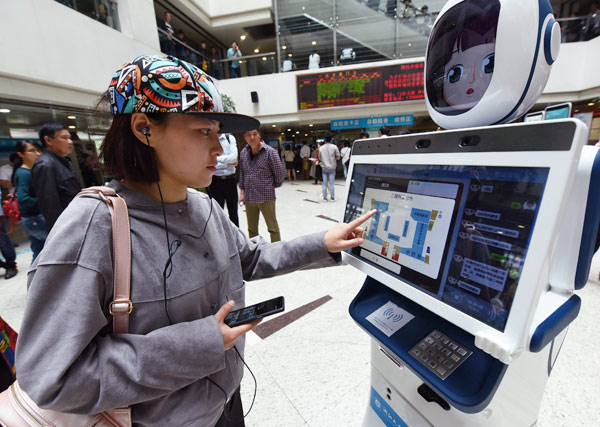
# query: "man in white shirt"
x,y
313,61
6,174
384,132
328,157
223,187
345,153
305,156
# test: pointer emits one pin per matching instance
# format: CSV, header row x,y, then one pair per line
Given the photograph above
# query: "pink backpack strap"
x,y
121,305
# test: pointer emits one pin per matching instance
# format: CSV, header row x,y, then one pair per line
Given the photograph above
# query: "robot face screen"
x,y
460,56
467,75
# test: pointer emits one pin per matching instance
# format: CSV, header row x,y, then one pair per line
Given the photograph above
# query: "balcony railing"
x,y
215,66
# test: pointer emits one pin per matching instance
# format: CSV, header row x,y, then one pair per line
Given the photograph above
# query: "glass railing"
x,y
214,65
326,33
579,28
104,11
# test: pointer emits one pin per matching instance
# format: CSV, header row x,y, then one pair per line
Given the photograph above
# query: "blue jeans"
x,y
235,72
35,227
328,177
345,170
6,246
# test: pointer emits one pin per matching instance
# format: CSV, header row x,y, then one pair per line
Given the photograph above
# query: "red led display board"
x,y
400,82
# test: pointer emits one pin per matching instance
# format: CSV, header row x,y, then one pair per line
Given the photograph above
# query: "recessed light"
x,y
591,104
290,55
256,50
303,8
71,117
284,47
274,126
297,131
314,42
264,58
410,44
4,110
310,125
72,127
243,37
289,130
305,134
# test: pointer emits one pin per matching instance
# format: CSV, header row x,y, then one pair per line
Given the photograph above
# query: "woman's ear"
x,y
141,127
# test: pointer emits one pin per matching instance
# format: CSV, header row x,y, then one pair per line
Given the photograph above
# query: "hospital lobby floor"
x,y
312,362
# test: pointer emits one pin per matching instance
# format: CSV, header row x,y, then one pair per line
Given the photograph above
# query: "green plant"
x,y
228,104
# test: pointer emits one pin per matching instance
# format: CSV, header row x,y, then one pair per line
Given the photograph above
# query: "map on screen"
x,y
458,233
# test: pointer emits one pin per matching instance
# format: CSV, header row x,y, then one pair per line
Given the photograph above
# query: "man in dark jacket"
x,y
53,178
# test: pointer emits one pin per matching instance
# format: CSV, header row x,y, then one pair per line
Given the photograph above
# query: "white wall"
x,y
51,53
574,76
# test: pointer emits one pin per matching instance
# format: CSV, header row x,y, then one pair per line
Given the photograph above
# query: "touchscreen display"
x,y
458,233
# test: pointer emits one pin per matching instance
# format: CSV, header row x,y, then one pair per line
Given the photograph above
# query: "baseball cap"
x,y
157,84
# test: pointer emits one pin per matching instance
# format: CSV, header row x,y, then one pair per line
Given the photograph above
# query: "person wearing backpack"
x,y
32,220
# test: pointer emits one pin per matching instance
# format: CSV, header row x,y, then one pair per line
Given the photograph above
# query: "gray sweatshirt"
x,y
328,155
68,359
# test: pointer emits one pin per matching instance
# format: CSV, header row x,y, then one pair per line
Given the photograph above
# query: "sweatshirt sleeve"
x,y
68,359
26,201
261,259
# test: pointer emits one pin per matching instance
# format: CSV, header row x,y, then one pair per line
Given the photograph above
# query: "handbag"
x,y
10,207
16,408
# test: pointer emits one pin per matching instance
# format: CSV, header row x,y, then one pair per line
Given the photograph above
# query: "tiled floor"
x,y
315,371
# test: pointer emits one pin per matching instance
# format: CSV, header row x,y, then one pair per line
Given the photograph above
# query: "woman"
x,y
180,363
289,156
32,220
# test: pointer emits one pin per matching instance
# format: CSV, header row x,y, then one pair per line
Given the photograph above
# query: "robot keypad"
x,y
440,354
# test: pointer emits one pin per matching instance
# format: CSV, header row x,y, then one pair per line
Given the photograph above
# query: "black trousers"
x,y
234,413
224,189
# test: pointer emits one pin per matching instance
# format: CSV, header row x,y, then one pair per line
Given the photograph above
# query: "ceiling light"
x,y
297,131
305,134
289,130
256,50
72,127
314,42
243,37
410,44
274,126
591,104
284,47
310,125
4,110
264,58
303,8
290,55
71,117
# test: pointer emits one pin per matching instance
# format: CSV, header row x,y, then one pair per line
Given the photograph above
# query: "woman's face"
x,y
186,150
467,75
30,155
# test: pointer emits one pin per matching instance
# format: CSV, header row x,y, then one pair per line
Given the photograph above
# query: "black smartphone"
x,y
254,312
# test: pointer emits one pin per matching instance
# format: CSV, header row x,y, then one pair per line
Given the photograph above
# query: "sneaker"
x,y
11,272
333,200
324,200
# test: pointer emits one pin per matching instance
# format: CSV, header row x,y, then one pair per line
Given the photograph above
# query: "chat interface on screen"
x,y
458,233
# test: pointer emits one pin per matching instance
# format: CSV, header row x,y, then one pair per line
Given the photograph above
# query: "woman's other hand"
x,y
230,335
346,236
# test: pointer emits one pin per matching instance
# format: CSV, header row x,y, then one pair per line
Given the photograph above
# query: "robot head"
x,y
488,61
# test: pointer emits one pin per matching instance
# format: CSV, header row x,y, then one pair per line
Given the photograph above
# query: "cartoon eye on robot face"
x,y
461,56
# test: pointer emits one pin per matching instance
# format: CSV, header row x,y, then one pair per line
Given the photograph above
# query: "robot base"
x,y
395,400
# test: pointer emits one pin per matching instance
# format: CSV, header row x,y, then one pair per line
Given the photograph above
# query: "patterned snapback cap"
x,y
156,84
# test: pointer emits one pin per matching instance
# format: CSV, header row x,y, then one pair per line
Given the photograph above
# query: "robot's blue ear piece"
x,y
551,41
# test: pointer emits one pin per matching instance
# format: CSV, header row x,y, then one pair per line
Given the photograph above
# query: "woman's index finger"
x,y
358,221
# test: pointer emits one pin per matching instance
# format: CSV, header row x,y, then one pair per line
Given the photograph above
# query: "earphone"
x,y
146,131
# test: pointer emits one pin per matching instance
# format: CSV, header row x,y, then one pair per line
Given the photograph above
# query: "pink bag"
x,y
16,408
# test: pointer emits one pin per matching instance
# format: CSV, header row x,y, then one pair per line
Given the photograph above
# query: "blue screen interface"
x,y
458,233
